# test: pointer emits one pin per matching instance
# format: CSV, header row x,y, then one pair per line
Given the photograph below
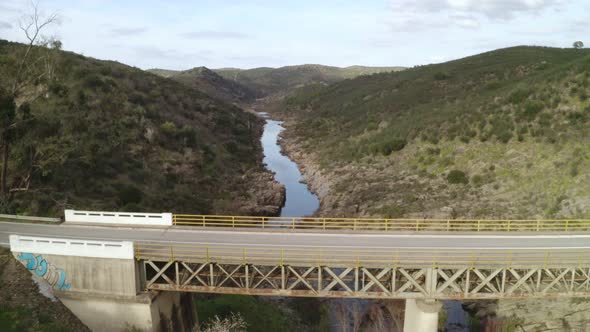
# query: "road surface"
x,y
345,246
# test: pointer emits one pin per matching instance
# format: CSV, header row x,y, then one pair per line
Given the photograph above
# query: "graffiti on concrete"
x,y
56,277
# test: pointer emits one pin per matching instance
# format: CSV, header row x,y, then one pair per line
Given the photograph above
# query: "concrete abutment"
x,y
99,281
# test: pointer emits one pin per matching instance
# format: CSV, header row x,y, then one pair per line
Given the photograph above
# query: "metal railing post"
x,y
293,223
263,219
354,225
324,222
478,225
204,221
137,251
174,219
538,224
567,224
233,222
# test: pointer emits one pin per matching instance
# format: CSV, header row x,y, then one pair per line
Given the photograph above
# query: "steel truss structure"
x,y
391,282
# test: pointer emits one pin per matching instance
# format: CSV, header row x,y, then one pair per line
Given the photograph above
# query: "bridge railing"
x,y
374,224
375,257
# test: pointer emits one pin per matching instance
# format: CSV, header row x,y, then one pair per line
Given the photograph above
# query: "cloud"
x,y
148,51
412,15
5,25
213,34
492,9
465,21
126,31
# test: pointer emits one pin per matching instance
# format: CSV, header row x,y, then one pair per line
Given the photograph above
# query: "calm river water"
x,y
300,202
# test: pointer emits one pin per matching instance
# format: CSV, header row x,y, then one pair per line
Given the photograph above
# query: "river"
x,y
299,202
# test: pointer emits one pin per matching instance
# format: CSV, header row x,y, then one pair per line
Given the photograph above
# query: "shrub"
x,y
457,177
477,180
188,135
531,109
393,145
518,96
168,128
441,76
129,195
387,147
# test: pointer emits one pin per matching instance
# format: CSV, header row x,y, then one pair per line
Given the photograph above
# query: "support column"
x,y
421,315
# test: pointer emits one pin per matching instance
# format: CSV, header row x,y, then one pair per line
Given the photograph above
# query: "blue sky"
x,y
245,34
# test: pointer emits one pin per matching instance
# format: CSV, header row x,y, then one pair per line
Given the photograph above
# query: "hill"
x,y
209,82
496,135
268,81
163,72
105,136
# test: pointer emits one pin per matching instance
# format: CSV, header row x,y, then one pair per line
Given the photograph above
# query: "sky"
x,y
181,34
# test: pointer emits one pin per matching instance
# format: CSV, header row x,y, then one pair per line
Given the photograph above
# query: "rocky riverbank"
x,y
265,196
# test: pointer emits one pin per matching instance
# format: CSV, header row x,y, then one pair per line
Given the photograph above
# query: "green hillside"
x,y
511,124
163,72
268,81
206,80
105,136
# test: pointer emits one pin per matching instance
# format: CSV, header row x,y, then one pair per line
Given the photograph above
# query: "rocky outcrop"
x,y
531,315
265,196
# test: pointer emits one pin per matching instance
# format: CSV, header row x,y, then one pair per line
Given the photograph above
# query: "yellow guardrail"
x,y
311,256
319,223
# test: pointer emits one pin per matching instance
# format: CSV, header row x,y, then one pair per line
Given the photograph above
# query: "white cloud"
x,y
212,34
117,32
492,9
411,15
5,25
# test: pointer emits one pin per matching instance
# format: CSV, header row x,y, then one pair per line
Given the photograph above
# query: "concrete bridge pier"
x,y
421,315
150,311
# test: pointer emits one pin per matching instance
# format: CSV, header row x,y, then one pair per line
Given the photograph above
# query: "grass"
x,y
418,103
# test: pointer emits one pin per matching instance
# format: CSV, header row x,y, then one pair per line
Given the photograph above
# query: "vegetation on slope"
x,y
209,82
265,314
105,136
268,81
494,135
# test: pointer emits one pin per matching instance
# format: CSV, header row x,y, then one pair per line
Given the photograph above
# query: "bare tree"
x,y
30,68
34,66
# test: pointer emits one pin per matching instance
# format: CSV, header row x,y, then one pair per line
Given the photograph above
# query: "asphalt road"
x,y
565,248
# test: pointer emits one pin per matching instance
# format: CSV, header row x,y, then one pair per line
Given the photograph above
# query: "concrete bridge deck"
x,y
420,266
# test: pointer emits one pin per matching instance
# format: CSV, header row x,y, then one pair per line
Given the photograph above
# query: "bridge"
x,y
148,261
